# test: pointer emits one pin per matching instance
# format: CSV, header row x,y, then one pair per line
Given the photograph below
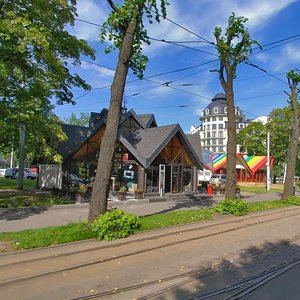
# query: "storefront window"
x,y
152,179
187,179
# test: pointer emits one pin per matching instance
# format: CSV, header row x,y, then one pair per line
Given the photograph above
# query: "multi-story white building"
x,y
213,128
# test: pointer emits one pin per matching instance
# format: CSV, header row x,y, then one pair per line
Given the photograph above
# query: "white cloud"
x,y
203,17
287,58
293,53
91,11
100,71
260,11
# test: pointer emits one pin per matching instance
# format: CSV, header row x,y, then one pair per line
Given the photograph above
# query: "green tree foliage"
x,y
82,120
280,127
125,30
233,48
253,139
35,53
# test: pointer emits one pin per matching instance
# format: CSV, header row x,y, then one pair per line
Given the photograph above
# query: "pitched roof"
x,y
194,140
220,161
256,162
147,120
76,137
146,144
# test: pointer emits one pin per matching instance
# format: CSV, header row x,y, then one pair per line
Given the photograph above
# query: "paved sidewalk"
x,y
38,217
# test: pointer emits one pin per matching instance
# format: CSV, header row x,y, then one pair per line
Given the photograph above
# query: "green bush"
x,y
236,207
31,200
293,200
115,224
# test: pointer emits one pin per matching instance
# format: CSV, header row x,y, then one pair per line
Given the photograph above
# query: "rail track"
x,y
79,259
93,252
236,290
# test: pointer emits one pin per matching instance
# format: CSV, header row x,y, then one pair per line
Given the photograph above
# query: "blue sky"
x,y
256,92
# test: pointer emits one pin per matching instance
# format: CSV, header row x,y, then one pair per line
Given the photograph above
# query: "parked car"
x,y
14,172
74,180
218,179
2,172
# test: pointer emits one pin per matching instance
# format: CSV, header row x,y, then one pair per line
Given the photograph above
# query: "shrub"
x,y
293,200
115,224
236,207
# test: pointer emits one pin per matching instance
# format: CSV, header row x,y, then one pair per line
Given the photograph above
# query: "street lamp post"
x,y
268,162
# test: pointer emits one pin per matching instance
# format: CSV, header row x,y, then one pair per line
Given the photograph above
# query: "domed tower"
x,y
213,132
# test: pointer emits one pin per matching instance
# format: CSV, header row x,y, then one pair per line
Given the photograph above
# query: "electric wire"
x,y
184,28
183,46
249,63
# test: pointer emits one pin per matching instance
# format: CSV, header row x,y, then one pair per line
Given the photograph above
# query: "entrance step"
x,y
157,199
182,197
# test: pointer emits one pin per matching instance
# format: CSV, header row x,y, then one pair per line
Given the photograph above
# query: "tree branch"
x,y
114,7
221,75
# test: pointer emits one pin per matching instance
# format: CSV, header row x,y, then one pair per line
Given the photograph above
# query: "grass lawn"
x,y
259,189
29,239
6,183
26,200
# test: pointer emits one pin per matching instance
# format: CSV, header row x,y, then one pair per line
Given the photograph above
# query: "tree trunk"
x,y
230,188
21,157
293,148
100,192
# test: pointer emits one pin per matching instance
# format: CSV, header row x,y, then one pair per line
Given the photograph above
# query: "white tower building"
x,y
213,128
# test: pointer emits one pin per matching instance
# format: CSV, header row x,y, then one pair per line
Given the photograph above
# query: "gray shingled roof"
x,y
146,144
76,137
218,101
147,120
195,142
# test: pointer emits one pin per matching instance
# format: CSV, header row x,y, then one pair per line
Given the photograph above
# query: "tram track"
x,y
244,286
162,239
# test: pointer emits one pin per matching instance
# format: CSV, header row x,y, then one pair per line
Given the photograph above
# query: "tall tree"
x,y
82,120
125,29
253,139
36,51
293,78
233,48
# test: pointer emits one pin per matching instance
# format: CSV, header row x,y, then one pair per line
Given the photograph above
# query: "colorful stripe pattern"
x,y
219,161
255,162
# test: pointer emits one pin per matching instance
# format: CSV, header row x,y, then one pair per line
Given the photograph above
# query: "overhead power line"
x,y
183,46
184,28
279,41
265,71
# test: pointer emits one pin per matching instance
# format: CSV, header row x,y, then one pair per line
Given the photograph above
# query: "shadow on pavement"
x,y
267,272
199,202
21,213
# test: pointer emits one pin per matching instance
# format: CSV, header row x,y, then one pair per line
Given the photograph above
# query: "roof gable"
x,y
76,137
256,162
146,144
220,160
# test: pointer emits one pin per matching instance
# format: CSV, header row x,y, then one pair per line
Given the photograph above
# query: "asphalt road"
x,y
251,257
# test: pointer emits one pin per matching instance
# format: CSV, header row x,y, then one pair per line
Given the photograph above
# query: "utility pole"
x,y
11,157
268,162
21,157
